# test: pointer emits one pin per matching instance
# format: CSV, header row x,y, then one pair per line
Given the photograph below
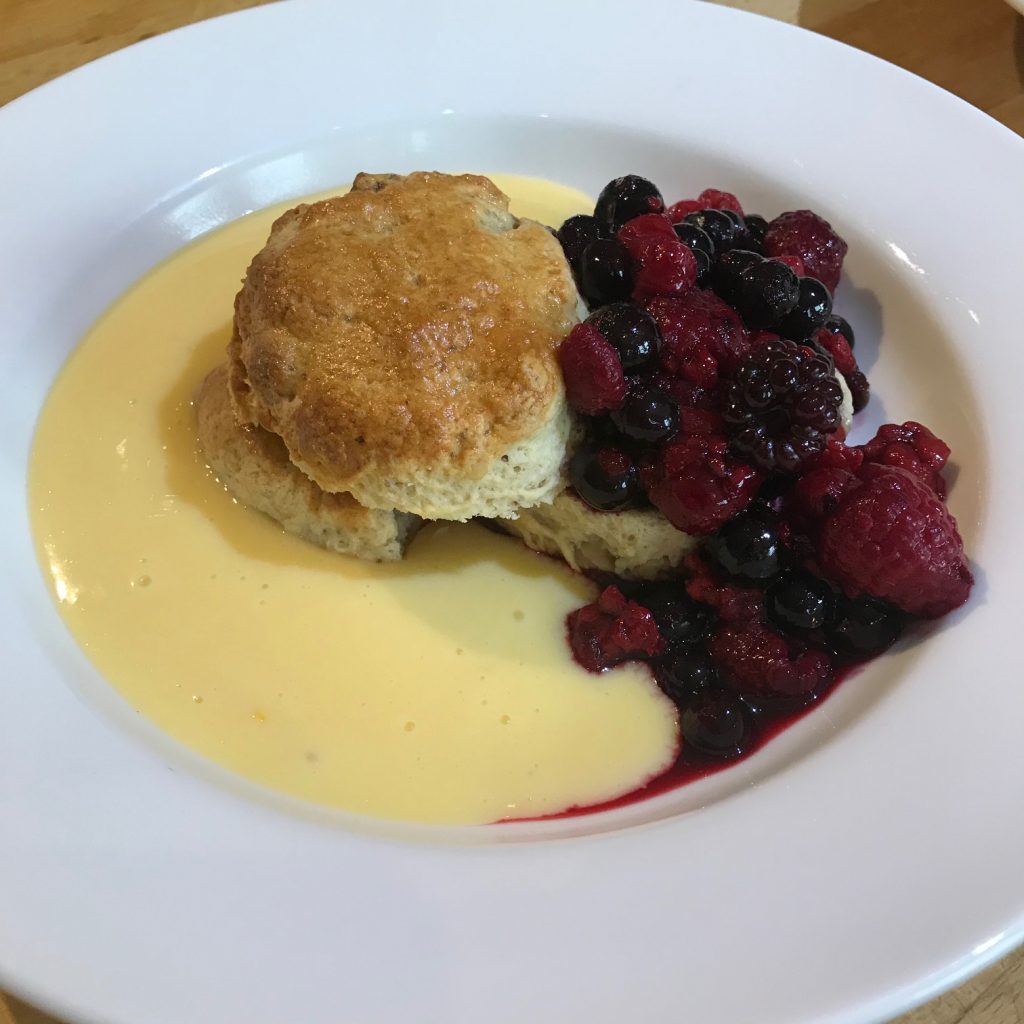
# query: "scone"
x,y
638,544
253,465
401,339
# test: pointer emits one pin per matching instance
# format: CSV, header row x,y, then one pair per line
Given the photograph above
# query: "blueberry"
x,y
756,227
634,333
703,266
680,619
766,292
839,325
715,726
748,547
647,415
864,627
575,235
605,274
605,478
725,275
625,198
683,675
716,223
800,602
696,238
812,309
740,237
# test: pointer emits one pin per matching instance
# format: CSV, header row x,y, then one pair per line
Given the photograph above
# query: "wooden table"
x,y
974,48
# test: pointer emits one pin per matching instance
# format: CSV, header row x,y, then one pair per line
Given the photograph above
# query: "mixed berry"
x,y
711,378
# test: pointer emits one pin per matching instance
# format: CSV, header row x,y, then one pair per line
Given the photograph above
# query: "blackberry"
x,y
799,602
812,308
781,405
748,547
605,274
728,268
647,415
840,325
625,198
633,333
765,292
605,478
723,229
575,235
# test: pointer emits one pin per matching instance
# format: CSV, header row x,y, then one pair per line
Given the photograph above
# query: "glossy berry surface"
x,y
728,269
684,674
781,405
592,371
756,227
748,547
754,659
633,333
605,478
681,620
892,537
718,225
716,726
799,602
605,272
812,308
696,238
765,292
698,484
840,325
625,198
575,235
864,627
647,415
611,630
803,233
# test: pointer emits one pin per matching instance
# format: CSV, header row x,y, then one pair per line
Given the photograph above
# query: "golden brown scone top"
x,y
408,326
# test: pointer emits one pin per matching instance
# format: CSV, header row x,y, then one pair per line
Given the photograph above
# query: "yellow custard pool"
x,y
438,689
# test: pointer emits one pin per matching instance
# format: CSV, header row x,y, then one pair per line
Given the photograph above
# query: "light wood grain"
x,y
974,48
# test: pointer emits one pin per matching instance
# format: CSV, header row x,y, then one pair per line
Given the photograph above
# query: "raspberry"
x,y
838,348
837,455
804,234
648,225
594,381
733,603
793,262
781,405
662,265
716,199
817,494
677,211
697,484
703,337
912,447
755,660
611,630
892,537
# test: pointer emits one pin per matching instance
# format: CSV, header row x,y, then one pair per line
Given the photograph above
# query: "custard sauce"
x,y
438,689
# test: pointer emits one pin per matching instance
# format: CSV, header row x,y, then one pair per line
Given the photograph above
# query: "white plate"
x,y
859,864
